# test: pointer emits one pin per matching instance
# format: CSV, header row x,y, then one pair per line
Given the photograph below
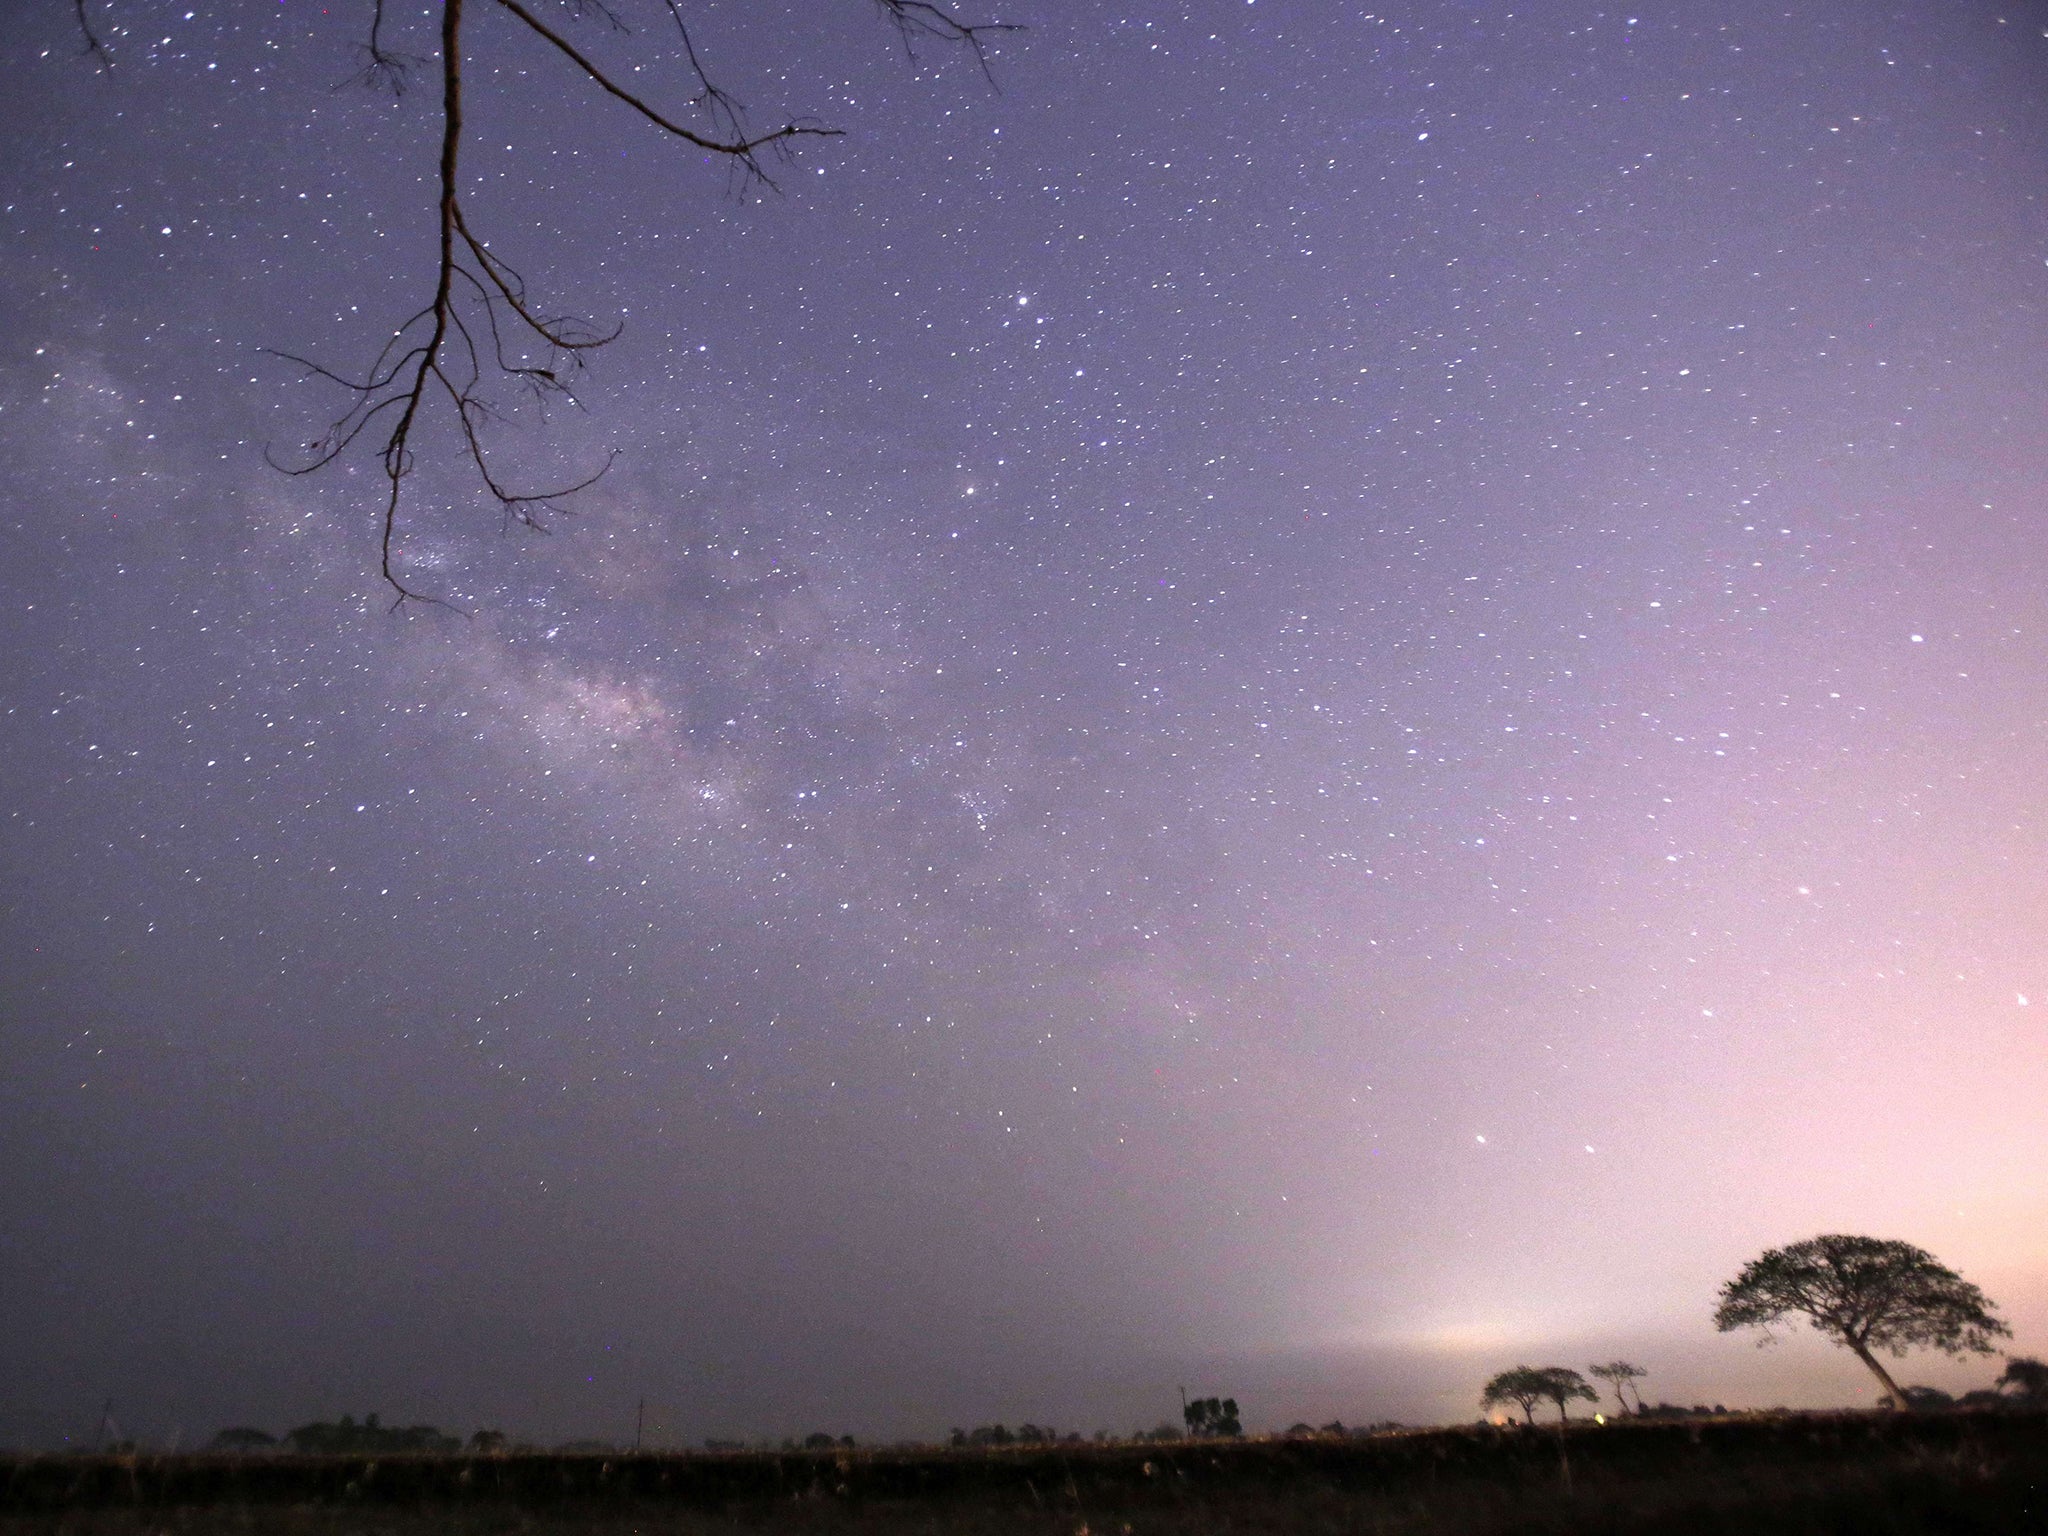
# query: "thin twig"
x,y
742,149
920,18
383,68
95,49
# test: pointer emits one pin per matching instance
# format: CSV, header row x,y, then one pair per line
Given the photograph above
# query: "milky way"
x,y
1301,703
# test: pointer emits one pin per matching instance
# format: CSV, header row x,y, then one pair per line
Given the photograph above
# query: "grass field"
x,y
1838,1474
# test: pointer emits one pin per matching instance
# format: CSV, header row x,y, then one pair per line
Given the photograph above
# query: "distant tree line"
x,y
1337,1430
1870,1295
2022,1384
346,1437
1024,1434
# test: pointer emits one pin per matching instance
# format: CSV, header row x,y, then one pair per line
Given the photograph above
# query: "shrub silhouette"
x,y
1925,1399
2027,1379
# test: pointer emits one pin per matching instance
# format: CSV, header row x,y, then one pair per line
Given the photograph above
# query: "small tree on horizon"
x,y
1563,1385
1522,1386
1866,1294
1622,1378
1527,1385
1210,1418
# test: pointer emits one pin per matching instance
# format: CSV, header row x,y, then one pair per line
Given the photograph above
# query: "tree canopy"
x,y
1517,1387
1527,1385
1212,1418
345,1437
1622,1378
1867,1294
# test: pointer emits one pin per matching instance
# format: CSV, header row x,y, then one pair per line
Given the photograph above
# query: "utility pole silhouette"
x,y
639,1423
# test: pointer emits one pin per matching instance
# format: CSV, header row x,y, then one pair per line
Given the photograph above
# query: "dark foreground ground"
x,y
1844,1475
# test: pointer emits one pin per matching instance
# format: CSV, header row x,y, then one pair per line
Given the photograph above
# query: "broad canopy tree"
x,y
1518,1387
1527,1385
1870,1295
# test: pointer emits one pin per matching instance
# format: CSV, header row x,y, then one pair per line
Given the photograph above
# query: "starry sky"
x,y
1309,701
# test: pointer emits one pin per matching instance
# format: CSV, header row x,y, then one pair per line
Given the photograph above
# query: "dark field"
x,y
1852,1473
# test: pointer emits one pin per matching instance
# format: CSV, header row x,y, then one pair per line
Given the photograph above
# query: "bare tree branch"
x,y
723,110
383,68
95,49
743,149
481,319
919,18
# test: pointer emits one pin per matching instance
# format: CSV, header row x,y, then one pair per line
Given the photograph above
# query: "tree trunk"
x,y
1884,1377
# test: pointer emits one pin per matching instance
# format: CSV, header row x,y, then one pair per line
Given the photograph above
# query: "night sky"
x,y
1310,702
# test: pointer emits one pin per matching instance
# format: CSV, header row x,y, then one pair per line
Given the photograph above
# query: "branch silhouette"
x,y
481,323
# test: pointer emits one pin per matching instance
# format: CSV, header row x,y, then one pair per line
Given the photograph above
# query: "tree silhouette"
x,y
1527,1385
479,320
1563,1386
2026,1378
1867,1294
1521,1386
1622,1378
1210,1418
1928,1399
345,1437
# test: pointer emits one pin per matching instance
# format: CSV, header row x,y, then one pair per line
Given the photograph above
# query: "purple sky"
x,y
1318,701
